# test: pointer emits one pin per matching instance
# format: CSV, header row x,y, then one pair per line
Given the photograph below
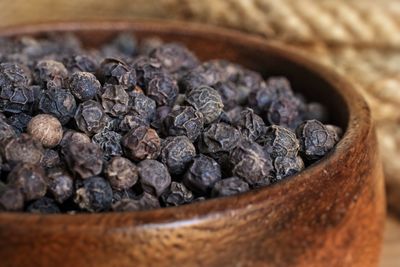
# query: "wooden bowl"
x,y
331,214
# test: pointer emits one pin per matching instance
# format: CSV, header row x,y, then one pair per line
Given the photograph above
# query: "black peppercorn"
x,y
154,177
71,136
315,139
51,74
184,120
229,94
59,103
116,72
141,143
81,62
43,205
163,90
229,187
109,142
142,106
284,112
250,124
280,142
147,69
60,184
177,153
177,195
132,121
207,101
145,202
115,100
7,132
202,174
11,199
29,179
251,163
287,166
84,86
121,173
23,149
175,58
50,158
90,117
219,137
94,195
19,122
84,159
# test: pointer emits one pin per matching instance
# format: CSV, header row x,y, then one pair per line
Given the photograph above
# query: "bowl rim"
x,y
358,127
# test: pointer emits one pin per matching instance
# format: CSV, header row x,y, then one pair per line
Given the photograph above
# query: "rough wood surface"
x,y
391,248
331,214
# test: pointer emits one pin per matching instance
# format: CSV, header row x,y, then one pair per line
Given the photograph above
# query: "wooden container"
x,y
331,214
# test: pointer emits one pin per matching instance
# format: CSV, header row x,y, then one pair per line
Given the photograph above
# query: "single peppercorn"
x,y
13,75
50,159
315,111
59,103
145,202
287,166
7,133
154,177
46,129
251,163
115,100
175,58
132,121
19,122
177,195
142,106
80,62
23,149
90,117
229,187
250,124
284,112
161,113
72,136
184,120
121,173
11,199
177,153
84,85
60,184
51,74
84,159
94,195
17,99
316,139
116,72
279,141
163,90
43,205
202,174
207,101
146,69
141,143
29,179
229,94
109,142
219,137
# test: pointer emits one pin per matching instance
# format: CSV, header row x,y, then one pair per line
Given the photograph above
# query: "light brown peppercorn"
x,y
46,129
121,173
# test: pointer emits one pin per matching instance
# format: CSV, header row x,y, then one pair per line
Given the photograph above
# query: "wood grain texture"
x,y
391,247
328,215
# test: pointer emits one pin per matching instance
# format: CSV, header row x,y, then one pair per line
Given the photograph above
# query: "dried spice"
x,y
121,173
46,129
136,126
177,153
154,177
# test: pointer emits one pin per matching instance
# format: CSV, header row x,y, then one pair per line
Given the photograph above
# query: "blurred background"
x,y
359,39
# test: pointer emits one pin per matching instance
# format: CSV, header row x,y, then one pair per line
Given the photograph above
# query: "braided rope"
x,y
368,22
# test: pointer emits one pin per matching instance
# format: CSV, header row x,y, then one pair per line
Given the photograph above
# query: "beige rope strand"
x,y
367,23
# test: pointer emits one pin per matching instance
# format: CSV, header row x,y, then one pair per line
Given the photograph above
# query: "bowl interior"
x,y
314,82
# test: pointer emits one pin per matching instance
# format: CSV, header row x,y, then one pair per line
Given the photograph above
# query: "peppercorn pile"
x,y
135,126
